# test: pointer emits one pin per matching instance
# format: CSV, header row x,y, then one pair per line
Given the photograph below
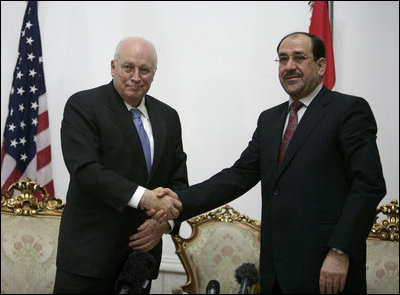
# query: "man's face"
x,y
299,72
133,70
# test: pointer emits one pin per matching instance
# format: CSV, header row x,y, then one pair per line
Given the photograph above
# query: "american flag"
x,y
26,149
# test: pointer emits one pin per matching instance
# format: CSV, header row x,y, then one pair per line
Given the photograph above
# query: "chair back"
x,y
29,234
220,242
383,251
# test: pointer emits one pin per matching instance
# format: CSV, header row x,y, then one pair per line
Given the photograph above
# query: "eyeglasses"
x,y
297,59
130,69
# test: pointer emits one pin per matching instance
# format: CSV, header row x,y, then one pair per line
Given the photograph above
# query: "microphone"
x,y
246,275
212,287
137,269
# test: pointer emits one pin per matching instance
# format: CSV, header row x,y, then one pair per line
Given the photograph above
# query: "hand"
x,y
161,193
149,235
161,203
332,277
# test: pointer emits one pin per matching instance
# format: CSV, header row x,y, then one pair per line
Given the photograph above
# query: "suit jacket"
x,y
104,157
324,194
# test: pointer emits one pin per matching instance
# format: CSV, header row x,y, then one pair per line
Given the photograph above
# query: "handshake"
x,y
161,203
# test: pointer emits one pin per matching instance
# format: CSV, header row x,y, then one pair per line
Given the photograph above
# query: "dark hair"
x,y
318,46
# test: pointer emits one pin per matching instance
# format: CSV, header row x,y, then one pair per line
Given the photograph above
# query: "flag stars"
x,y
20,91
13,143
34,121
19,75
28,25
34,105
33,89
23,157
11,127
21,107
29,40
40,60
22,125
22,141
31,56
32,73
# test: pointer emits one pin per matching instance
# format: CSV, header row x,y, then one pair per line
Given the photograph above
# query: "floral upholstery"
x,y
221,241
382,267
383,251
28,254
29,233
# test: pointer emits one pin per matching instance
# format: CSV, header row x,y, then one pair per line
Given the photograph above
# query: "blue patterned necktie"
x,y
136,114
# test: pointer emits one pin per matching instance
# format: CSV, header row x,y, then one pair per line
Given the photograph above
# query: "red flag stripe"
x,y
43,121
320,27
43,158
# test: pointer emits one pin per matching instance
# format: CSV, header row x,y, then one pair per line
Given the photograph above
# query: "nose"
x,y
290,64
136,75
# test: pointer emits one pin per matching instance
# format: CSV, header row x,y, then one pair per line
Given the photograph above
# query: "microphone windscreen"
x,y
212,287
138,268
248,271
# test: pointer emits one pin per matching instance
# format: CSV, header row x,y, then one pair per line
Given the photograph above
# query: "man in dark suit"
x,y
109,178
319,198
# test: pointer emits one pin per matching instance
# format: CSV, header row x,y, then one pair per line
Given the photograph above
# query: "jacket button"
x,y
276,192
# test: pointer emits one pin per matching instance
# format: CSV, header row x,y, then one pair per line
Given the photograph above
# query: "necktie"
x,y
136,114
291,127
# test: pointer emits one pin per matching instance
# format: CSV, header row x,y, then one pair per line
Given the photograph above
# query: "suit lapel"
x,y
124,121
311,118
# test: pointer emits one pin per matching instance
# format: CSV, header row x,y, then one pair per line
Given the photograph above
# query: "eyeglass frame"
x,y
297,62
132,70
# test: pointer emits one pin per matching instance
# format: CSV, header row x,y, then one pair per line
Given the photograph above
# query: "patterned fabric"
x,y
28,254
218,251
382,267
291,127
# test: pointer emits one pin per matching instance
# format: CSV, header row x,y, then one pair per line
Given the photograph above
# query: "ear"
x,y
112,68
321,64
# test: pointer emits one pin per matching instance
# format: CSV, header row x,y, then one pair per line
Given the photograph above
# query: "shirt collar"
x,y
309,98
141,107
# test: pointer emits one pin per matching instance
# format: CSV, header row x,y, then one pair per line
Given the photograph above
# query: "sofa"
x,y
29,231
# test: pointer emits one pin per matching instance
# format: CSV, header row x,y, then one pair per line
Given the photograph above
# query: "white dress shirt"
x,y
138,194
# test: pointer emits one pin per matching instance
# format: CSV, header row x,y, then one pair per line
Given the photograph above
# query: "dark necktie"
x,y
291,127
136,114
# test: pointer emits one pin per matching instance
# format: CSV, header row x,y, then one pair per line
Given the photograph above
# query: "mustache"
x,y
291,74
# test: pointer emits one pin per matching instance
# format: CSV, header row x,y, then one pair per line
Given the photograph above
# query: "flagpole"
x,y
330,8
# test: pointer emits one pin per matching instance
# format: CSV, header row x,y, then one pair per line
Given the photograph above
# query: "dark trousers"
x,y
69,283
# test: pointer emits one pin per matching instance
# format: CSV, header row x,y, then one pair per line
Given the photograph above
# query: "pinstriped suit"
x,y
324,194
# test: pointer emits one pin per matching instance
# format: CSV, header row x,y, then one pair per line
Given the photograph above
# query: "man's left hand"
x,y
149,235
333,273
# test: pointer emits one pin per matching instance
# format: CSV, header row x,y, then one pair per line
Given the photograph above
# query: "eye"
x,y
144,71
299,58
127,68
283,59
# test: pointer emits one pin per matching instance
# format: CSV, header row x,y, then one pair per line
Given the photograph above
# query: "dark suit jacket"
x,y
104,157
324,194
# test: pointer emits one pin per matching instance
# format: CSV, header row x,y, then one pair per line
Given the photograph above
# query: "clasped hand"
x,y
161,203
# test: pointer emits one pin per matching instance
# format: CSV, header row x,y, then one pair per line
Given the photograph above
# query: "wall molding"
x,y
171,263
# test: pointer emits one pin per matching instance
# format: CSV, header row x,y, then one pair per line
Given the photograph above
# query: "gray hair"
x,y
139,38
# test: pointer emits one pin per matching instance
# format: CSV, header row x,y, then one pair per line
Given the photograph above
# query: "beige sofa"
x,y
29,231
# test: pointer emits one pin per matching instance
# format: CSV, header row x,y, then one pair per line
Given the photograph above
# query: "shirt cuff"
x,y
171,224
137,196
